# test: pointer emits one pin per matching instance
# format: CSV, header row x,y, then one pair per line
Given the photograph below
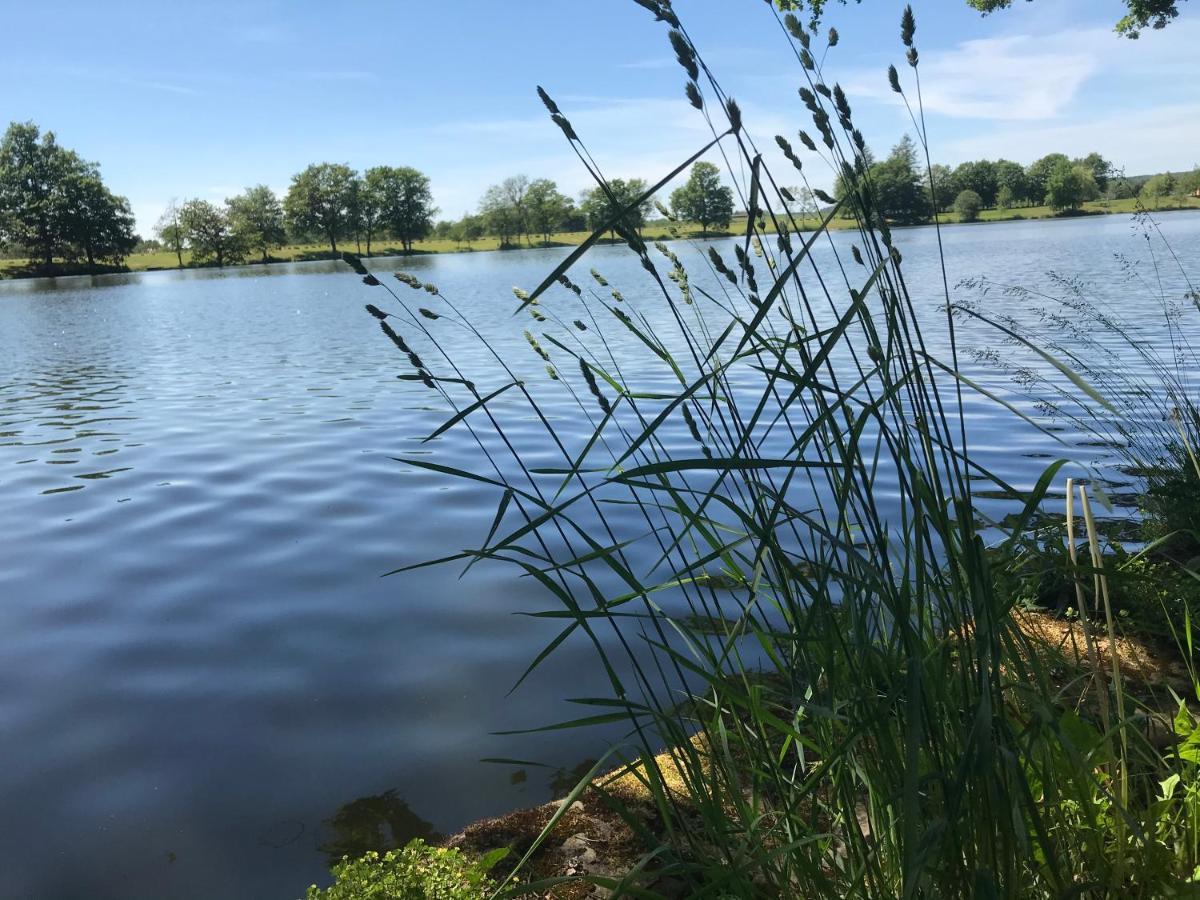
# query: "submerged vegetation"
x,y
771,543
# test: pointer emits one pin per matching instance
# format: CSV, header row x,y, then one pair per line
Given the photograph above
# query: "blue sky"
x,y
182,100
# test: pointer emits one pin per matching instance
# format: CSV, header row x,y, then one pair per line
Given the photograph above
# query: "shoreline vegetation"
x,y
838,676
654,229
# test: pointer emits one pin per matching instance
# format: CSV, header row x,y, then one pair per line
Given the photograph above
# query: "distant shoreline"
x,y
165,261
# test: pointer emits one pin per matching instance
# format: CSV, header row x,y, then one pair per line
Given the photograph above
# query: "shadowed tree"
x,y
319,202
32,166
703,198
895,187
978,176
94,222
256,219
1011,176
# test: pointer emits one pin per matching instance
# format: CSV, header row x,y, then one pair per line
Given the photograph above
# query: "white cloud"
x,y
1019,77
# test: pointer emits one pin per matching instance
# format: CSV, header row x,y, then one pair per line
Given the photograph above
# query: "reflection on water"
x,y
381,823
198,660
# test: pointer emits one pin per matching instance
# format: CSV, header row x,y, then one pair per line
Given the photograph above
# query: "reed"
x,y
775,560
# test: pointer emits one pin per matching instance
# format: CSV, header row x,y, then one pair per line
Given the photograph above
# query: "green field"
x,y
656,230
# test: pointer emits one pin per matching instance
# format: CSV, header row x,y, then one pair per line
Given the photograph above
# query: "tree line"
x,y
903,190
326,202
519,208
55,205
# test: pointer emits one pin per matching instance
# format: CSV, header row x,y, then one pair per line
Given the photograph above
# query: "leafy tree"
x,y
52,203
404,203
1189,184
93,221
503,208
471,229
1011,176
256,220
621,204
1142,13
941,186
1158,188
1068,187
32,167
546,208
320,201
1005,198
169,231
1100,168
968,204
894,187
1038,174
206,227
703,198
980,177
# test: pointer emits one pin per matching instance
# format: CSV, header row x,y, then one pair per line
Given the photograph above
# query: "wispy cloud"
x,y
1011,78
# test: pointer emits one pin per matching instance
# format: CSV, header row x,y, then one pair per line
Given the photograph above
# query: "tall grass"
x,y
776,560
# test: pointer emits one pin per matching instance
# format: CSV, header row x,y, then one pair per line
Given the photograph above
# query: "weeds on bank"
x,y
766,535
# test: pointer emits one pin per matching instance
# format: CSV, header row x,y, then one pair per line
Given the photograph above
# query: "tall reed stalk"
x,y
775,560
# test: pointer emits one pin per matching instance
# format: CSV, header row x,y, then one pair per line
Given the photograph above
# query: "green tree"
x,y
1038,174
1158,188
208,233
1005,198
256,220
32,167
1189,184
941,186
93,221
503,208
703,198
978,176
895,186
1142,13
169,231
622,204
968,204
1011,176
1100,168
1068,187
546,207
319,202
404,203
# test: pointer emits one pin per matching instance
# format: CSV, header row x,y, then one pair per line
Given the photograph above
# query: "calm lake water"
x,y
205,686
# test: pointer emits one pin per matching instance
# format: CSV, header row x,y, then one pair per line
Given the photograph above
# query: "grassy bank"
x,y
654,230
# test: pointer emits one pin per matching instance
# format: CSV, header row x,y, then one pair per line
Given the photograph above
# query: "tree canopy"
x,y
1142,14
256,220
608,207
703,199
55,204
320,202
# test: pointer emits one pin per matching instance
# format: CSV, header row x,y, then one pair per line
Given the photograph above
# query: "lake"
x,y
206,688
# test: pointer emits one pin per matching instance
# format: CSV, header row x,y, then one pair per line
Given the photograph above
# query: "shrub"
x,y
968,204
417,872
